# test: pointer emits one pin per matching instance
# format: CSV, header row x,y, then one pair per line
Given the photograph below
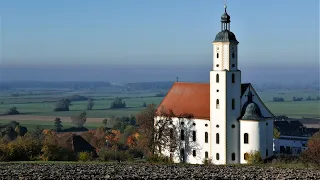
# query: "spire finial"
x,y
225,6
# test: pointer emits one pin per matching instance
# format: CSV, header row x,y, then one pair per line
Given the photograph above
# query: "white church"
x,y
229,118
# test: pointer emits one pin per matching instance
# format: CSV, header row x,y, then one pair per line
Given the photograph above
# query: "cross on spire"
x,y
177,79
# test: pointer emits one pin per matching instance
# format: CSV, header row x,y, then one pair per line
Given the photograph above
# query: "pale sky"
x,y
156,32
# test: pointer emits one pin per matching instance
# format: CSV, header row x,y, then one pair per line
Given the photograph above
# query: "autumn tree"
x,y
156,129
276,133
80,119
312,154
113,137
145,121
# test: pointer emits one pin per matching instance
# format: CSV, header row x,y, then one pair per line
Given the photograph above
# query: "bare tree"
x,y
185,141
162,135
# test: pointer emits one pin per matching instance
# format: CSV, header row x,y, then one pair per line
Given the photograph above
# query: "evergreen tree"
x,y
57,124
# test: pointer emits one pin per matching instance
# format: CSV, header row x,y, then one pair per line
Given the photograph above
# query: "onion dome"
x,y
251,110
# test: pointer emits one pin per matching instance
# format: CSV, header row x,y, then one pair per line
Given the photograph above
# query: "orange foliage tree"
x,y
312,154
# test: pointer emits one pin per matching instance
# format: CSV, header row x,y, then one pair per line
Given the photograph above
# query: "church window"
x,y
217,78
233,55
217,90
233,126
217,138
206,154
194,137
217,126
266,152
206,137
182,134
217,65
233,78
217,48
182,154
217,104
194,124
246,138
194,153
206,125
217,55
217,156
266,124
246,156
233,104
233,65
233,156
182,123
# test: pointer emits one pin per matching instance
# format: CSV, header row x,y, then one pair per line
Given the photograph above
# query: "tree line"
x,y
309,98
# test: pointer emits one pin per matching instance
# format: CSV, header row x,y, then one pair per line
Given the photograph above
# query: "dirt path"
x,y
44,118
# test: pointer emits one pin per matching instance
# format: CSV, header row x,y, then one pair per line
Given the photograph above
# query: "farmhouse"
x,y
229,119
293,137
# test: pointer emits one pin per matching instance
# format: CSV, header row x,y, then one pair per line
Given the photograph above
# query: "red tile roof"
x,y
193,98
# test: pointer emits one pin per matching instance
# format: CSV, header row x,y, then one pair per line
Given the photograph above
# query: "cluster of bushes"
x,y
309,98
11,131
297,98
12,111
121,123
281,99
278,99
118,103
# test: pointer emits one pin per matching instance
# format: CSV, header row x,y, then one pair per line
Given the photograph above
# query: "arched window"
x,y
217,55
217,104
233,78
206,154
233,156
233,55
182,155
194,136
217,78
171,133
246,155
194,153
182,134
206,137
246,138
217,138
233,103
217,156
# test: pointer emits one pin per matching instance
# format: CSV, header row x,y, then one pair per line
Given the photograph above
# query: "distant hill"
x,y
50,85
160,85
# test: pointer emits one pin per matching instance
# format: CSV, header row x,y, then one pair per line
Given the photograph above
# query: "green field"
x,y
42,105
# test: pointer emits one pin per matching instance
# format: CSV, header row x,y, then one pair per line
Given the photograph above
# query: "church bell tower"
x,y
225,92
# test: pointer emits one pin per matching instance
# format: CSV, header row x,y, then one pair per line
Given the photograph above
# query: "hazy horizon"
x,y
129,41
149,73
